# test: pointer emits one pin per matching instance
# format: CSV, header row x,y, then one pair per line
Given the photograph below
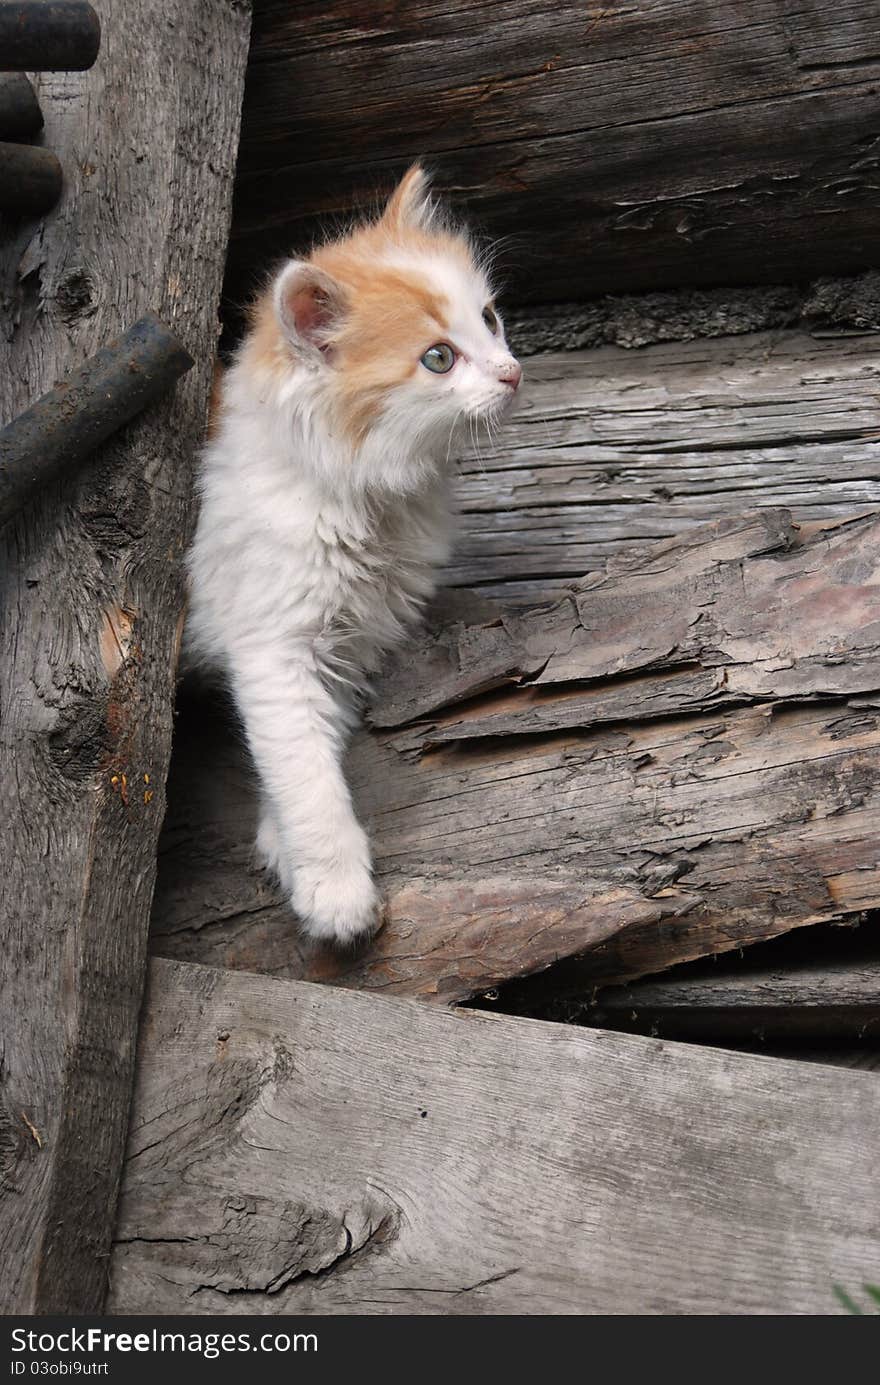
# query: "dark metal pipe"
x,y
20,114
55,36
63,427
30,179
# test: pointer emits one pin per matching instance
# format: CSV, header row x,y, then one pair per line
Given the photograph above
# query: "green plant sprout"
x,y
850,1304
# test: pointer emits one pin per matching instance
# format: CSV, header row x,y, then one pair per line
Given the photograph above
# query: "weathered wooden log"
x,y
48,35
612,450
31,179
20,114
67,424
613,148
677,760
298,1150
91,609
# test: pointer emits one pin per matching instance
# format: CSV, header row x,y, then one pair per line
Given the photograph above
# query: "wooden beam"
x,y
680,759
295,1149
614,148
91,613
612,450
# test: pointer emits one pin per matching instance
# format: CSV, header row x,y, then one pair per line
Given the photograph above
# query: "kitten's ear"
x,y
409,206
310,306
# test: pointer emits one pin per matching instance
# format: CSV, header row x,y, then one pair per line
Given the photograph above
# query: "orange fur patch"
x,y
393,314
393,317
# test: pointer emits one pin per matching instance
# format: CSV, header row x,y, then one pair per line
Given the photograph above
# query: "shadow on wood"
x,y
612,148
814,983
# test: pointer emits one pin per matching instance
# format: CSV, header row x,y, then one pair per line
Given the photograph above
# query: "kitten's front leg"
x,y
309,834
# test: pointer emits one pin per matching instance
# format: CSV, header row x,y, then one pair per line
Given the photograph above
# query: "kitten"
x,y
325,513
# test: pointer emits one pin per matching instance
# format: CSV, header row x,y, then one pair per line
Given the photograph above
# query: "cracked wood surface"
x,y
91,608
614,147
611,450
678,759
297,1150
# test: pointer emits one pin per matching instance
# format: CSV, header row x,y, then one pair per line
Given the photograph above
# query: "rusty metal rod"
x,y
30,180
62,428
48,35
20,114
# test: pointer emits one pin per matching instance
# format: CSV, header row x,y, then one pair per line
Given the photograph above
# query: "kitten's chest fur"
x,y
283,561
371,571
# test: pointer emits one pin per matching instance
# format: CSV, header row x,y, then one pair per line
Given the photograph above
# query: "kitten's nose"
x,y
510,373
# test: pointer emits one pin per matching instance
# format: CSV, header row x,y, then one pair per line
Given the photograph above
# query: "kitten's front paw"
x,y
338,904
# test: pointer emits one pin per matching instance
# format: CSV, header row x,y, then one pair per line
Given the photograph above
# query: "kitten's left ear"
x,y
409,206
311,306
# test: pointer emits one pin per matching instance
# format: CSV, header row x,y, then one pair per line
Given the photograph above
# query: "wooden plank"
x,y
617,147
91,611
611,450
679,760
297,1150
811,984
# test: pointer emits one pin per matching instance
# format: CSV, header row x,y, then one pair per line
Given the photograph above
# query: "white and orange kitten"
x,y
325,513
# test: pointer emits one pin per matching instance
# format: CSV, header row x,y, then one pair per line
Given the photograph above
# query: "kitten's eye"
x,y
439,358
490,319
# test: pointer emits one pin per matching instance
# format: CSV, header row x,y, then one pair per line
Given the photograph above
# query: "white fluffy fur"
x,y
311,558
